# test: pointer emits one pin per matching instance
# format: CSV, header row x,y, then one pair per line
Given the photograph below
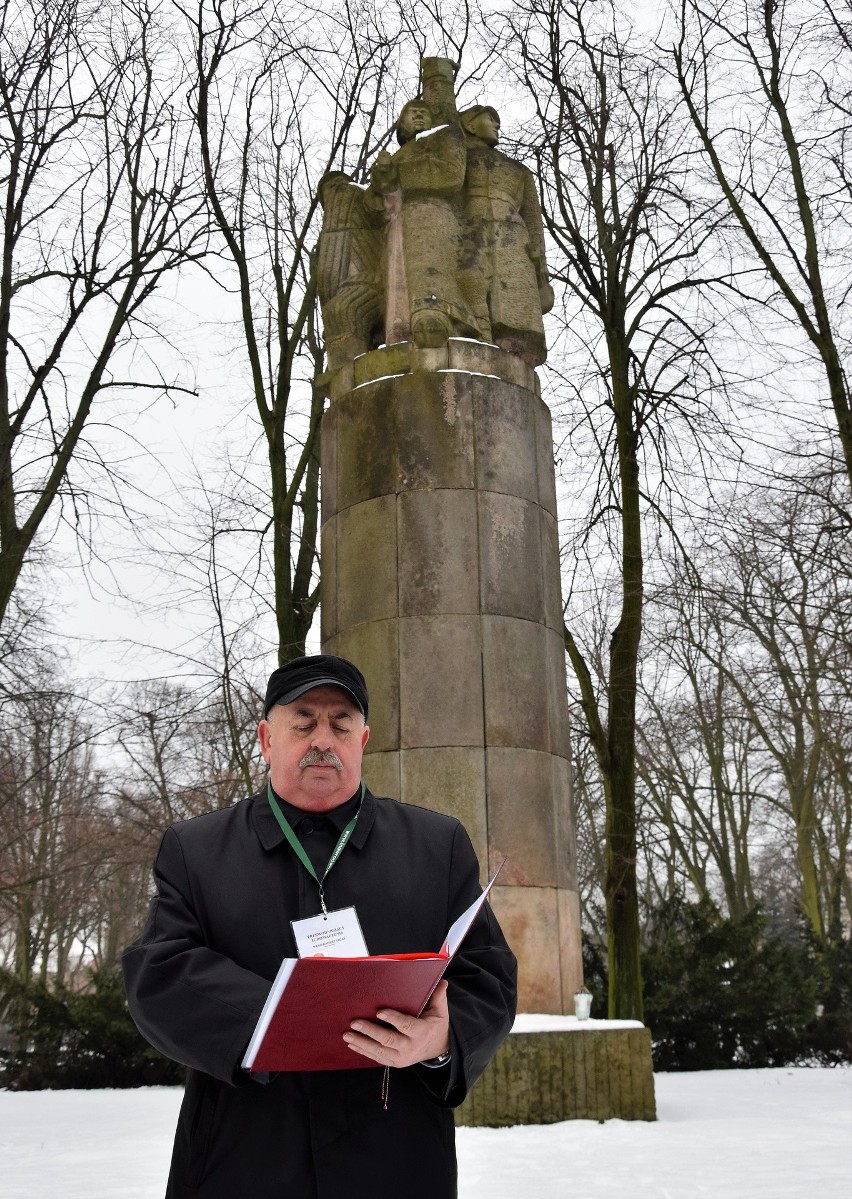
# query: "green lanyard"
x,y
299,849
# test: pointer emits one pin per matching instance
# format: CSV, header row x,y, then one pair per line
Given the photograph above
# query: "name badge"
x,y
335,935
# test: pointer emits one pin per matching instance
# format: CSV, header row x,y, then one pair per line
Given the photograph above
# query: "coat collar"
x,y
271,836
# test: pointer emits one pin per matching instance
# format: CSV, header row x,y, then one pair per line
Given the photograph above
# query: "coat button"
x,y
307,826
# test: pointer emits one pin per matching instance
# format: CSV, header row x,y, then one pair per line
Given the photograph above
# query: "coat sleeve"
x,y
193,1004
482,991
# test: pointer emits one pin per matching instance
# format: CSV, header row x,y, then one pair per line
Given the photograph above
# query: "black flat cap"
x,y
293,679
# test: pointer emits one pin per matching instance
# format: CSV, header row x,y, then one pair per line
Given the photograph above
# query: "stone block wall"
x,y
441,580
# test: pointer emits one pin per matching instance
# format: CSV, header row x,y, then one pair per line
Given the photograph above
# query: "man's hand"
x,y
412,1039
384,174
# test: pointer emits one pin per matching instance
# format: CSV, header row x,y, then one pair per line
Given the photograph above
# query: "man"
x,y
228,886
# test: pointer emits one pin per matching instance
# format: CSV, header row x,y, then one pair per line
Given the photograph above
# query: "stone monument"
x,y
440,561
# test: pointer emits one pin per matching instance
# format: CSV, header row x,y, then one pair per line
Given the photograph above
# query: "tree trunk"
x,y
625,970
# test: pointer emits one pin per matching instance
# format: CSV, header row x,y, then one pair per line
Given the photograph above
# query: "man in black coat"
x,y
228,886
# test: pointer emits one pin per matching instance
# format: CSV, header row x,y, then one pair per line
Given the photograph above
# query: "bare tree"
x,y
50,793
767,86
174,758
75,846
179,759
785,589
702,765
100,202
117,897
764,647
632,246
281,94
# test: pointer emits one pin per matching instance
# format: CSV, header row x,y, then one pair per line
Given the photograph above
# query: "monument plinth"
x,y
441,579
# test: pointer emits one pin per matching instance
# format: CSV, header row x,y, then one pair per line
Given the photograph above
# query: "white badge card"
x,y
335,935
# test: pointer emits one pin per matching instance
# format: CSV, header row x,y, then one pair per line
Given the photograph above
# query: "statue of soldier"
x,y
502,263
421,185
447,241
349,271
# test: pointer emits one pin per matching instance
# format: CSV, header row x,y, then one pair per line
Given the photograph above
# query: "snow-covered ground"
x,y
751,1134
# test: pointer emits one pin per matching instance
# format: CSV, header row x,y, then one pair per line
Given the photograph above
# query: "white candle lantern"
x,y
582,1004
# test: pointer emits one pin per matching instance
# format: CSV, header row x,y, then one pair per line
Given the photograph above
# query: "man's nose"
x,y
323,737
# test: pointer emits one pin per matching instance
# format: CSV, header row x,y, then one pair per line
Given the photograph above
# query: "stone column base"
x,y
588,1073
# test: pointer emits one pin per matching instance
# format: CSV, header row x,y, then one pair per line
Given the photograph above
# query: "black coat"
x,y
228,885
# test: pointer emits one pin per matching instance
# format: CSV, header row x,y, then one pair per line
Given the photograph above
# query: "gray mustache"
x,y
320,757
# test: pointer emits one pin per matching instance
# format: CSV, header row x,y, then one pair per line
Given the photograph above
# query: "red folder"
x,y
313,1001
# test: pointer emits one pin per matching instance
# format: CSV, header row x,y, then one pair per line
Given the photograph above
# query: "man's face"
x,y
414,118
314,747
485,126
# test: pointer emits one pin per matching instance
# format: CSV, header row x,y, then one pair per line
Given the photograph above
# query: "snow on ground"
x,y
750,1134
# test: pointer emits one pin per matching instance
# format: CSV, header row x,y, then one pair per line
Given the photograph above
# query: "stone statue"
x,y
349,274
421,186
503,266
446,241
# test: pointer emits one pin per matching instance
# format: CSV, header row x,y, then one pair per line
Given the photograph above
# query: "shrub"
x,y
62,1038
719,994
723,993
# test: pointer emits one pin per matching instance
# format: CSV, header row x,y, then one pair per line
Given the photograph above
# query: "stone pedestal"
x,y
596,1071
441,581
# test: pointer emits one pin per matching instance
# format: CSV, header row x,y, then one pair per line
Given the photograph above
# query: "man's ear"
x,y
365,736
263,736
